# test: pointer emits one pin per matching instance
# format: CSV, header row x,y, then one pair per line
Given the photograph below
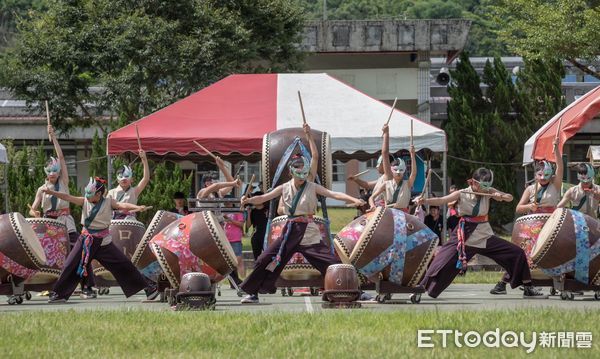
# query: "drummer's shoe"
x,y
54,299
250,299
500,288
366,297
87,293
530,292
151,292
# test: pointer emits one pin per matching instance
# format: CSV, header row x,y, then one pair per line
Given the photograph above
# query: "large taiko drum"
x,y
298,268
194,243
561,245
21,253
143,258
395,244
125,235
276,143
53,236
345,240
525,234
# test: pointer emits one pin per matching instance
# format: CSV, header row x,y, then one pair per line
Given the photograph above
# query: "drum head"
x,y
548,234
160,220
28,239
218,235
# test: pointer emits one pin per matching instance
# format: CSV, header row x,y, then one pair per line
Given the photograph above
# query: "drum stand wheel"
x,y
415,298
597,295
103,290
314,291
382,298
27,295
15,299
553,291
567,295
18,292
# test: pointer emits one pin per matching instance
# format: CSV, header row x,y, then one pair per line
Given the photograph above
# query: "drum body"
x,y
525,234
194,243
54,239
557,250
298,268
21,253
395,244
143,258
276,143
126,235
341,283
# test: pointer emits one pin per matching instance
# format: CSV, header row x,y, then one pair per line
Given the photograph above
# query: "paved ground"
x,y
465,296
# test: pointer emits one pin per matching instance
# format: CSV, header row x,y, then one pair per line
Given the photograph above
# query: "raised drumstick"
x,y
205,150
48,117
137,133
392,111
302,108
361,173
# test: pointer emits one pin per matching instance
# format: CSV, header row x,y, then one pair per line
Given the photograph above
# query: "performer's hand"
x,y
219,161
34,213
352,178
47,190
244,200
142,154
533,207
372,208
420,200
555,145
237,183
411,149
306,129
386,128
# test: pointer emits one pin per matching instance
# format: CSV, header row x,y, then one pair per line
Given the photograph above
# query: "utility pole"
x,y
324,9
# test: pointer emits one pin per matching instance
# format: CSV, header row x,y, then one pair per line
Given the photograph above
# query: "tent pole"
x,y
5,188
109,170
445,192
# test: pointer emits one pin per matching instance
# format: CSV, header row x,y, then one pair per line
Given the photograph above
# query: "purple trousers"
x,y
262,280
126,274
442,270
89,280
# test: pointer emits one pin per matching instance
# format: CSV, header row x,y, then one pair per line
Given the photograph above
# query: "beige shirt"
x,y
307,205
380,182
550,197
576,195
465,205
403,198
102,219
129,196
46,204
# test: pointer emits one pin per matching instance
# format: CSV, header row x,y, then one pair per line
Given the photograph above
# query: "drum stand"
x,y
17,291
287,286
385,289
568,286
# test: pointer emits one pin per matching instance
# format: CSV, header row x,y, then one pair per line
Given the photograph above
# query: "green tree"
x,y
132,58
481,123
558,29
10,12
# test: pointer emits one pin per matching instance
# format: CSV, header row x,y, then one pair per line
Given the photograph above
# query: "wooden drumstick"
x,y
361,173
141,210
302,108
205,150
411,132
392,111
137,133
248,189
479,193
427,180
48,117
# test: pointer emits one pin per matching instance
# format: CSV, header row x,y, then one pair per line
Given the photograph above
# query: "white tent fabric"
x,y
3,155
352,118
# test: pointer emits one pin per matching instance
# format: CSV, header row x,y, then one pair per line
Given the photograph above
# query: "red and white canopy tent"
x,y
574,117
231,116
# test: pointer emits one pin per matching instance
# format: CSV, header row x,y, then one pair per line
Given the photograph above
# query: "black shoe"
x,y
500,288
55,299
87,293
151,292
532,293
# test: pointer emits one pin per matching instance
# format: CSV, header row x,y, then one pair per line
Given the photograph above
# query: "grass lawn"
x,y
332,334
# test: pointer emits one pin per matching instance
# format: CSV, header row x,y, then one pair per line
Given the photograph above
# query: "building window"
x,y
372,163
339,171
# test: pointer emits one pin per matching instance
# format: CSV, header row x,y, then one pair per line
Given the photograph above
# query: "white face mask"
x,y
127,173
300,172
589,176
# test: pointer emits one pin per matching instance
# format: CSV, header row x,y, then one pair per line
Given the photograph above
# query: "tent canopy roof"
x,y
231,116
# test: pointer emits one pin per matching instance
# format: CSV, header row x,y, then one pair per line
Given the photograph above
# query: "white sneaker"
x,y
250,299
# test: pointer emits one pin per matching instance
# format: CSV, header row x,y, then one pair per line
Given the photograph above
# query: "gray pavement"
x,y
456,297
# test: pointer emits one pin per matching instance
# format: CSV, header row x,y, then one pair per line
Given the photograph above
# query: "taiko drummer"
x,y
125,192
586,195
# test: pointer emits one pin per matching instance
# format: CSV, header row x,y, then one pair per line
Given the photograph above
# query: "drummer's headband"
x,y
124,173
546,172
399,167
52,167
93,186
589,176
297,171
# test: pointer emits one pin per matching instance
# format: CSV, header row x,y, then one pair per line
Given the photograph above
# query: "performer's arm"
x,y
280,207
558,176
125,206
385,153
64,179
502,196
322,191
146,178
65,197
215,187
314,153
362,183
439,201
524,206
413,171
276,192
565,200
379,190
36,203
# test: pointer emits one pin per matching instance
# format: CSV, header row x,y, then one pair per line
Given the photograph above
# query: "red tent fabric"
x,y
574,117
